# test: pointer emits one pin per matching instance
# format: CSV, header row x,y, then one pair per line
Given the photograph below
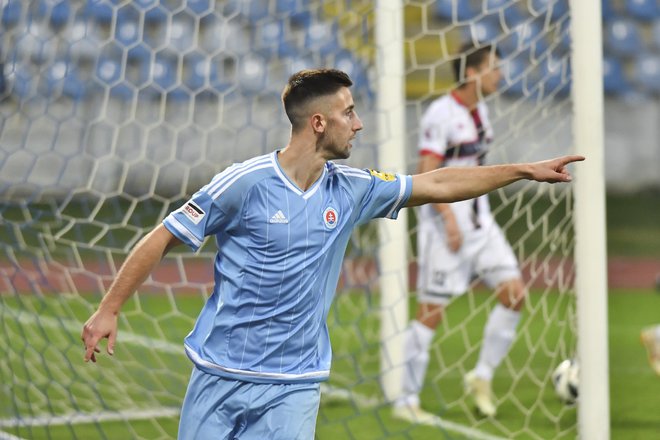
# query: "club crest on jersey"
x,y
330,217
387,177
194,213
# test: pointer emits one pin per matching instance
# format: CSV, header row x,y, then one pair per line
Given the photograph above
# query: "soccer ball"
x,y
565,380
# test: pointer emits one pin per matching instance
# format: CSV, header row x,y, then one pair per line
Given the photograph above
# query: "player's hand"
x,y
101,324
454,236
553,170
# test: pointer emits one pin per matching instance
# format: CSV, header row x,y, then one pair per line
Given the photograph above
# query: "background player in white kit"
x,y
282,221
650,337
460,240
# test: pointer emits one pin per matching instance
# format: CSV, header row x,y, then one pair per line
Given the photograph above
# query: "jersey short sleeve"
x,y
433,133
385,195
213,208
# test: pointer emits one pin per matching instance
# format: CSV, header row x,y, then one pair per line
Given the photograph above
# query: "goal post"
x,y
590,244
393,254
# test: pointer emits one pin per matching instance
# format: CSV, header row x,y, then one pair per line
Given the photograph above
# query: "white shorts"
x,y
443,274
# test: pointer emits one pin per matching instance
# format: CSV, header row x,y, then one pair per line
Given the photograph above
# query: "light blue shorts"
x,y
226,409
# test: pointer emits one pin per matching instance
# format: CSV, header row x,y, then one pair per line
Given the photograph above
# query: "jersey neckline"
x,y
289,183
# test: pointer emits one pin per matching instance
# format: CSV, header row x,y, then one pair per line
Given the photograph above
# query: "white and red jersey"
x,y
460,137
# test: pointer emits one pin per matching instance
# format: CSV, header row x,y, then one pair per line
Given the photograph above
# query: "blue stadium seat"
x,y
138,53
556,8
110,74
200,74
177,38
297,63
510,10
11,13
153,13
272,39
252,74
35,43
455,10
525,38
347,62
253,10
57,12
564,34
62,79
200,7
321,37
20,80
513,75
127,30
556,77
622,37
164,76
298,11
643,9
647,72
614,80
225,36
608,11
101,10
82,38
655,34
484,31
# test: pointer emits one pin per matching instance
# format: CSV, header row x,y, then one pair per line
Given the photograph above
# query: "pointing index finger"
x,y
572,158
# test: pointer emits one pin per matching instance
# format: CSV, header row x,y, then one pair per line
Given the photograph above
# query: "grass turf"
x,y
43,374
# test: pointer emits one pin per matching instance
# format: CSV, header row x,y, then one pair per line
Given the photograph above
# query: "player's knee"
x,y
430,315
512,294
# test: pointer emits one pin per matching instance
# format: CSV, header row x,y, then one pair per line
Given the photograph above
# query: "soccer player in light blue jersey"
x,y
260,346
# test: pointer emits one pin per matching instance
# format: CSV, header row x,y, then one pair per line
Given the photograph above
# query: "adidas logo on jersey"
x,y
278,217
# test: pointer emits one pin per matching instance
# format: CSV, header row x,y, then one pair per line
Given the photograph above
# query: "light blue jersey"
x,y
280,251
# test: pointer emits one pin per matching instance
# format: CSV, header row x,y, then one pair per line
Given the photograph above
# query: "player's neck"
x,y
303,166
467,96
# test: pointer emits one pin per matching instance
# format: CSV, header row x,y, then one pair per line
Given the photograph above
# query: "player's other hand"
x,y
102,324
454,236
553,170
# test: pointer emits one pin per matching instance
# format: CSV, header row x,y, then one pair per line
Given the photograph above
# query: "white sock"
x,y
499,333
416,354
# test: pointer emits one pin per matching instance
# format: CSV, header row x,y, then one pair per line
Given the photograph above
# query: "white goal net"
x,y
113,112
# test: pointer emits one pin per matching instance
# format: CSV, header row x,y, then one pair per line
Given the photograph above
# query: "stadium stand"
x,y
455,11
647,71
622,37
614,80
645,10
200,46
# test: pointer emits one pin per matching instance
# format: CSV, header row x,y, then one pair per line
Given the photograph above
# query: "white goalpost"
x,y
113,112
590,246
393,261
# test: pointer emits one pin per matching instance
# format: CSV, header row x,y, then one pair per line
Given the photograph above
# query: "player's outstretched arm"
x,y
139,264
446,185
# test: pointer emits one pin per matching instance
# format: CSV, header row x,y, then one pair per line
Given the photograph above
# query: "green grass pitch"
x,y
43,376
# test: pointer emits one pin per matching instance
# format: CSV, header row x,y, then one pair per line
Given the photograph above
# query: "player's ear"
x,y
471,74
318,123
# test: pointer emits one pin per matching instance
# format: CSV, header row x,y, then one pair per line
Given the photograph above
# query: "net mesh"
x,y
114,112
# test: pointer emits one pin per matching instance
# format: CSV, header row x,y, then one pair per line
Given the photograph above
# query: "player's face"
x,y
490,75
343,123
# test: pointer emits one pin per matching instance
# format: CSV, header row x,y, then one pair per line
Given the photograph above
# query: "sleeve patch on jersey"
x,y
387,177
194,213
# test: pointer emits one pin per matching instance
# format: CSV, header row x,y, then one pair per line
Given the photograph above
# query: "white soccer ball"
x,y
565,379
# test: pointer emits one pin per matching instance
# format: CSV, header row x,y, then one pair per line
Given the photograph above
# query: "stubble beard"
x,y
335,151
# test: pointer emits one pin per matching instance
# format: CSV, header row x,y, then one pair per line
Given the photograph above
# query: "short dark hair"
x,y
307,85
473,57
